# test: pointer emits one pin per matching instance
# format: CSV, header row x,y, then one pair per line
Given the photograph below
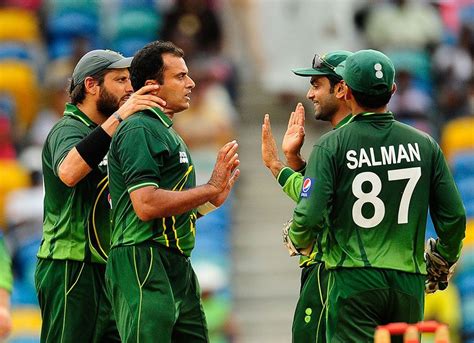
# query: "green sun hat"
x,y
97,60
368,71
324,64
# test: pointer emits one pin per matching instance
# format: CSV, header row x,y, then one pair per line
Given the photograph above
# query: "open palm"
x,y
294,135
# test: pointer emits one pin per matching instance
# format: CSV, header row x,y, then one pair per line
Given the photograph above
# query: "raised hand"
x,y
294,138
269,148
141,100
225,172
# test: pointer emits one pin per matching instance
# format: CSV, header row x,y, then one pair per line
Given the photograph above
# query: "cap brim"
x,y
123,63
309,72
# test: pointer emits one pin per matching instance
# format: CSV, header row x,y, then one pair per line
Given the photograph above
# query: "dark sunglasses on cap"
x,y
319,61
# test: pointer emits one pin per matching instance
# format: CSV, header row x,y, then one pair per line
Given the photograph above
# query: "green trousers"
x,y
360,299
309,321
74,303
155,295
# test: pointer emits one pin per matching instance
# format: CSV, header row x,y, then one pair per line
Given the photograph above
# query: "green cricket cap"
x,y
368,71
97,60
324,64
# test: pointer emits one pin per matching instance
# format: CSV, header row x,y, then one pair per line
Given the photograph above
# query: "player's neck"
x,y
340,115
356,109
90,110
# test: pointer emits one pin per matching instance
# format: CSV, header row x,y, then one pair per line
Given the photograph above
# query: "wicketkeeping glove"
x,y
439,270
292,250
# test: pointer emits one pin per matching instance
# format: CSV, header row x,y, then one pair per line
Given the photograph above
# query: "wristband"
x,y
206,208
94,146
117,116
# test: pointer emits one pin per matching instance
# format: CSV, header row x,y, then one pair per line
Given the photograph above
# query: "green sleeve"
x,y
291,183
6,277
141,155
312,211
61,141
447,210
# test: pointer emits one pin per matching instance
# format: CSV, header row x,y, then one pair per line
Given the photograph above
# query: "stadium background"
x,y
240,53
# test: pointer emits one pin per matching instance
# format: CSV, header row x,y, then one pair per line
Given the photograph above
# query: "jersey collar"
x,y
373,116
162,116
343,122
72,111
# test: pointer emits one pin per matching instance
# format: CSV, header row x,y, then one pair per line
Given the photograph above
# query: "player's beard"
x,y
327,110
107,103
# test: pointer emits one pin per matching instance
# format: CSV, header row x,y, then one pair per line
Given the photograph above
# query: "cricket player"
x,y
70,271
155,203
6,282
327,94
369,185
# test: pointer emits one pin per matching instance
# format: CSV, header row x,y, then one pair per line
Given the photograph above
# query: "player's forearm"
x,y
276,167
85,156
73,168
112,123
151,202
295,161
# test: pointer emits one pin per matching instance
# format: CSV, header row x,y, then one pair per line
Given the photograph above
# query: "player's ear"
x,y
340,90
153,82
90,85
347,92
394,88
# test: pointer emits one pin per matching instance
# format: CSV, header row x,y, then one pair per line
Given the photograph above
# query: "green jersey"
x,y
369,185
147,151
291,183
6,277
76,223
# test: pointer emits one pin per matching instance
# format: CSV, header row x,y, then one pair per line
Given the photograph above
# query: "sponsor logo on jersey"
x,y
307,187
183,158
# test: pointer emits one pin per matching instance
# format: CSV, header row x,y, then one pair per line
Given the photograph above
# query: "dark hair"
x,y
77,93
371,101
147,64
333,81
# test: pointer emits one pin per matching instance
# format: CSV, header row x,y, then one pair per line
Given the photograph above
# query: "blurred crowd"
x,y
226,44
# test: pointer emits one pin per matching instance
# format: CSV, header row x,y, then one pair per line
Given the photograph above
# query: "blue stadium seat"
x,y
466,188
463,165
129,46
15,50
73,24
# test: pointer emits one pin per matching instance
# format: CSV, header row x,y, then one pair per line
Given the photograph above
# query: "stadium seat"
x,y
130,45
417,63
127,4
463,165
19,25
63,6
85,25
466,188
457,136
12,176
19,80
14,50
31,5
138,23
